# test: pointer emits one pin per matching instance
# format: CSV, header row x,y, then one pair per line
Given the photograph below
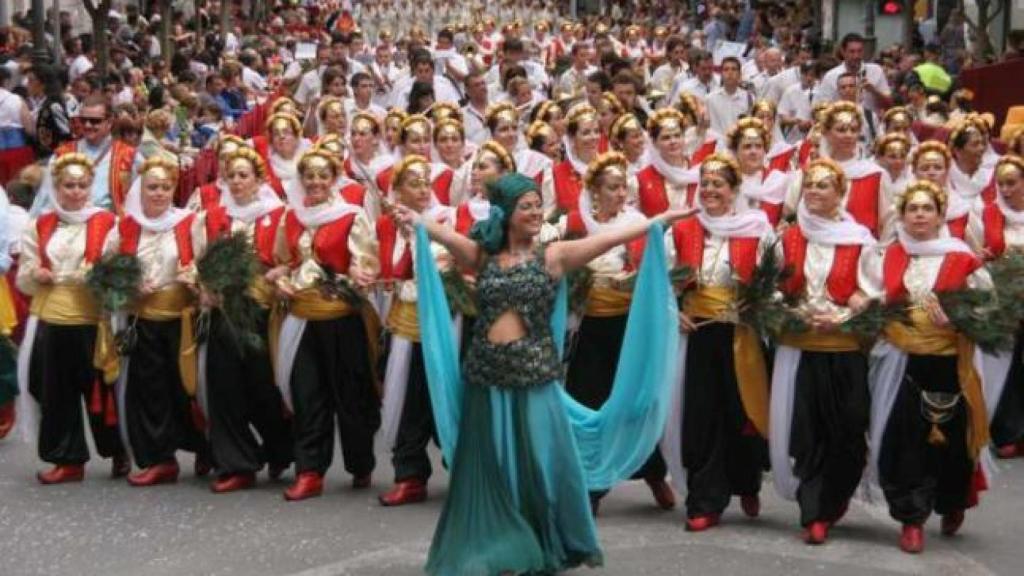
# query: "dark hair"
x,y
602,79
627,77
699,56
851,38
673,42
447,34
420,56
359,77
97,100
732,60
512,45
331,74
846,75
511,72
419,91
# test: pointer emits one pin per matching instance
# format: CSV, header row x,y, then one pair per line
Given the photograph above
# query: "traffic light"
x,y
891,7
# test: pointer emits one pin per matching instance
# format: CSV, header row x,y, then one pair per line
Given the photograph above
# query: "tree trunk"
x,y
908,29
100,15
200,32
225,20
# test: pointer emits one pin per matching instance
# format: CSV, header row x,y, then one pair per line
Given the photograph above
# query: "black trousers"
x,y
157,410
591,374
917,476
61,377
827,439
416,427
332,380
1008,421
721,456
241,396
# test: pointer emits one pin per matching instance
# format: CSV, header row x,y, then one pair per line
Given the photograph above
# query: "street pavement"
x,y
105,527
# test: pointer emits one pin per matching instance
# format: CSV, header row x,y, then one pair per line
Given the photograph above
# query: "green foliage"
x,y
981,316
115,281
460,295
335,286
226,270
579,282
759,303
870,322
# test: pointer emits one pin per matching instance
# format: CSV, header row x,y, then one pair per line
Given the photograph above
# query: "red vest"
x,y
995,229
218,223
706,149
862,200
956,267
958,226
387,236
567,186
96,229
122,158
688,237
782,162
805,152
842,278
442,186
353,193
131,232
209,196
652,195
330,242
464,219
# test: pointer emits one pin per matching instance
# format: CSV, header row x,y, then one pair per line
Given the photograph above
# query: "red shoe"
x,y
751,505
912,539
1008,451
361,482
405,492
120,466
663,493
307,485
163,473
233,482
7,418
62,473
202,466
952,522
816,533
702,522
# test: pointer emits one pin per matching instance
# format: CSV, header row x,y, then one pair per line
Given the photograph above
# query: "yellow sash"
x,y
925,338
751,370
8,315
603,302
815,341
65,305
309,304
174,303
403,320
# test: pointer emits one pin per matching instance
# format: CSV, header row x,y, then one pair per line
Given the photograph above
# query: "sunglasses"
x,y
91,120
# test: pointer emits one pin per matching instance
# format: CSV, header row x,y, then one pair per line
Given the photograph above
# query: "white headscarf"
x,y
585,204
1012,216
578,165
934,247
676,175
162,223
325,212
833,232
266,201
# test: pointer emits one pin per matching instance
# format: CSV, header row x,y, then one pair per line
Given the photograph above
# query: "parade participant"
x,y
415,140
866,200
491,161
1015,143
236,380
56,358
609,109
327,348
714,442
629,138
393,130
157,417
365,160
542,139
344,187
331,117
550,112
667,181
582,134
282,150
511,410
408,420
995,228
114,161
892,152
700,140
209,195
970,175
931,161
928,415
594,357
8,323
820,400
450,142
761,186
781,155
503,124
897,120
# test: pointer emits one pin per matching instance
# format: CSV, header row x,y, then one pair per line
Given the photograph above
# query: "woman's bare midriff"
x,y
508,327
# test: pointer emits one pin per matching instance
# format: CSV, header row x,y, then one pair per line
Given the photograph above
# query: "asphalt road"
x,y
105,527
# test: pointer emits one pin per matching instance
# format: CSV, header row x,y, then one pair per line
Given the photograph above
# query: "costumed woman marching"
x,y
55,364
327,347
820,400
236,377
928,415
524,454
714,443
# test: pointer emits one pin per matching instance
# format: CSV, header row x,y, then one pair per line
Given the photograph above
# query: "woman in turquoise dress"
x,y
518,498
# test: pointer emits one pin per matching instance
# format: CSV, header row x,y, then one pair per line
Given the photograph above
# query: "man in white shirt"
x,y
703,81
795,109
252,79
80,63
474,113
729,103
337,55
847,85
574,80
513,53
665,76
772,69
422,66
874,85
362,98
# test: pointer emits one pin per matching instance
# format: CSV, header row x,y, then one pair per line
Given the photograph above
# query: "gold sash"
x,y
65,305
403,320
309,304
604,302
815,341
923,337
751,369
175,302
8,315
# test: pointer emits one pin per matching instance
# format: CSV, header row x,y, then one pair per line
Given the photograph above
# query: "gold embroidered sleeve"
x,y
29,260
362,244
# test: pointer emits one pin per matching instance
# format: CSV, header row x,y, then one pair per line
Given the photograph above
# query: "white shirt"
x,y
872,73
475,125
253,80
665,76
79,66
444,91
725,109
694,86
351,109
796,103
777,85
10,109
